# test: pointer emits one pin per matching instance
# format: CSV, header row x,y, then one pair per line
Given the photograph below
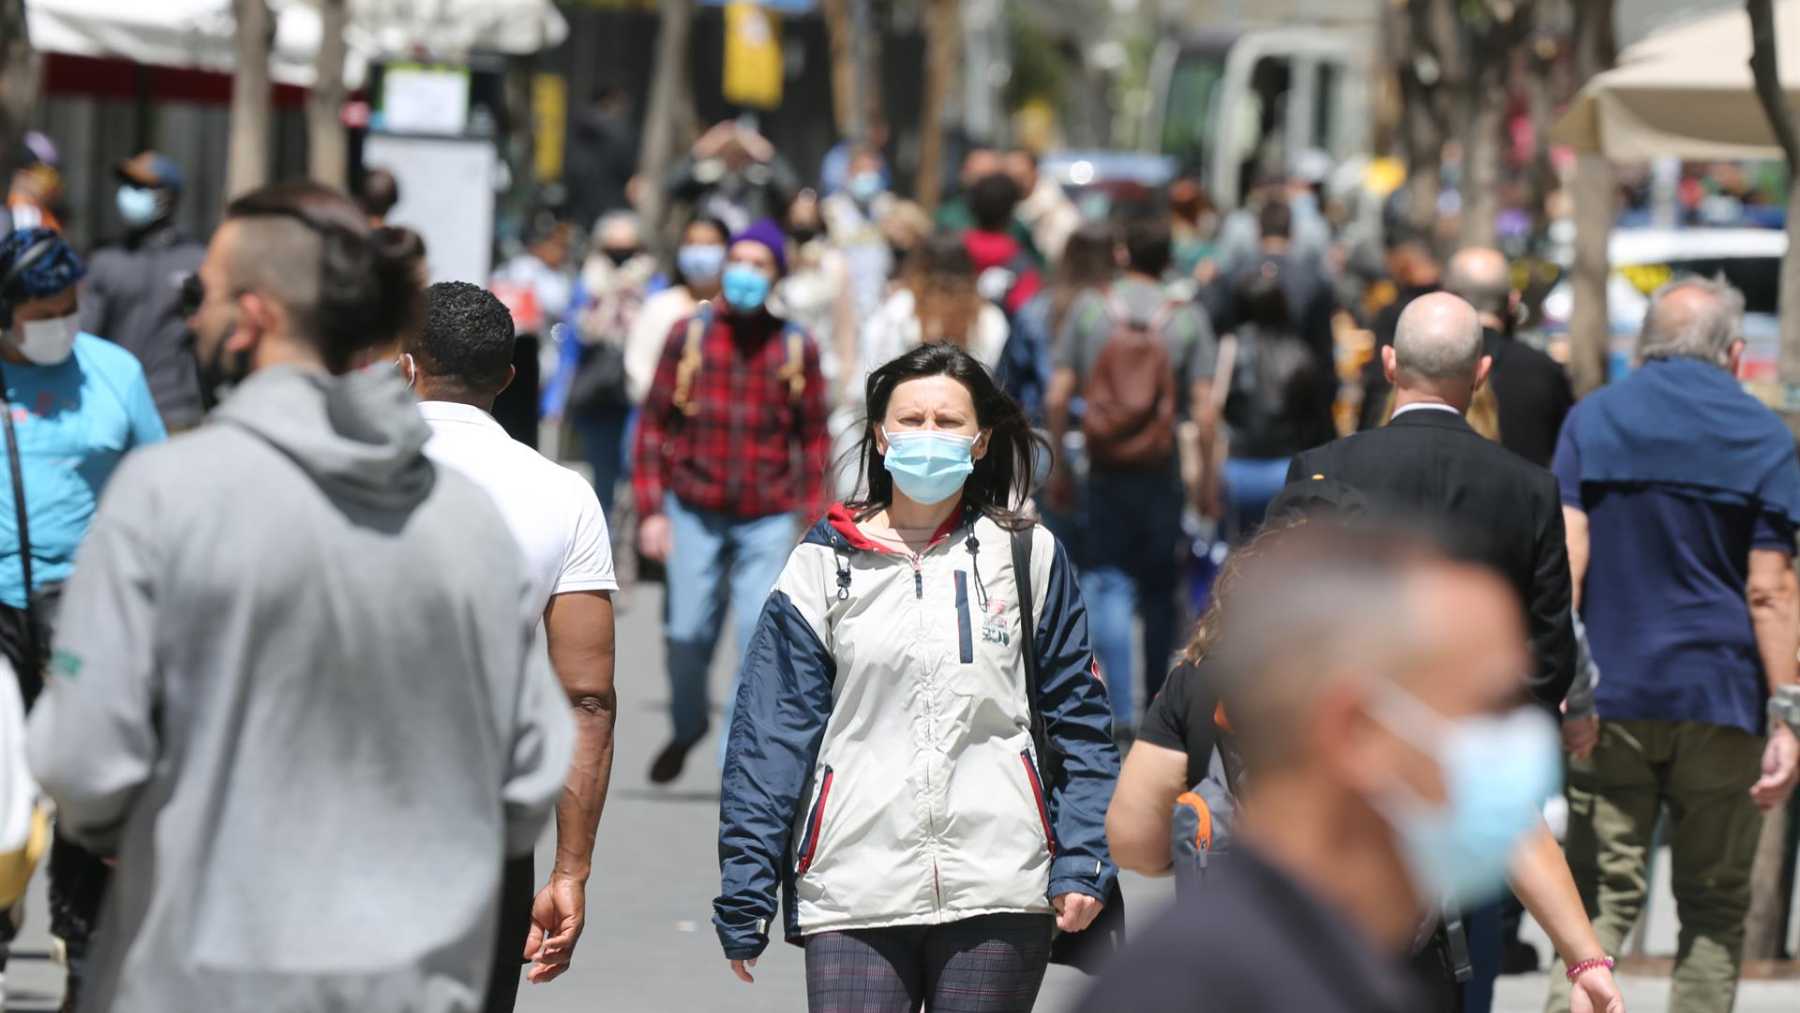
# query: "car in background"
x,y
1103,182
1645,259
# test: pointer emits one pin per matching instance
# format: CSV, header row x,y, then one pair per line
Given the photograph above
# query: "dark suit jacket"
x,y
1490,505
1533,393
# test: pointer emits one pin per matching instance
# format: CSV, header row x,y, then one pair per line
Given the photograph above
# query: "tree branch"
x,y
1765,68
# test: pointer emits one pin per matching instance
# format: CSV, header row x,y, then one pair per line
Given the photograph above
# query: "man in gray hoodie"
x,y
289,690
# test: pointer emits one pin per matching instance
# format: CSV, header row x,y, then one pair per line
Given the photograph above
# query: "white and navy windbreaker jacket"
x,y
881,768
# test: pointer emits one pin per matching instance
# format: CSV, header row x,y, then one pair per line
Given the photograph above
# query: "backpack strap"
x,y
1040,736
691,356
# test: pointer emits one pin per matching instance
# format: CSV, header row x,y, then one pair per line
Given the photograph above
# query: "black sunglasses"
x,y
193,294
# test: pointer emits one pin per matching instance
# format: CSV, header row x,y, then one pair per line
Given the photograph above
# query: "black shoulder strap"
x,y
24,525
1040,738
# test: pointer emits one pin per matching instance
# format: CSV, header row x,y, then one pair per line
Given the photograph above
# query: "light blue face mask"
x,y
866,186
1497,773
137,205
701,262
746,288
929,466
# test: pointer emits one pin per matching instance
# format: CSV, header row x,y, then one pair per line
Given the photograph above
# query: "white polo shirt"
x,y
551,510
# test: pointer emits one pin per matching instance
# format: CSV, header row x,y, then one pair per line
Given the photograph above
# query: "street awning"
x,y
1685,91
197,34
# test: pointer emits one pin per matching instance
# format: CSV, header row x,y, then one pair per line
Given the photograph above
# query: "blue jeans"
x,y
1250,486
714,554
1485,943
1133,531
603,447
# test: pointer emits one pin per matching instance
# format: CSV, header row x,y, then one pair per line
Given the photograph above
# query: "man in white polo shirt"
x,y
458,363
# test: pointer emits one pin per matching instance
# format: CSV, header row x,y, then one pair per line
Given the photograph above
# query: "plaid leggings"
x,y
988,964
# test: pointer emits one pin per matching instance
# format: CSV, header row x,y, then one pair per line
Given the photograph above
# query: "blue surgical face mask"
x,y
866,186
137,205
700,262
1497,773
746,288
927,465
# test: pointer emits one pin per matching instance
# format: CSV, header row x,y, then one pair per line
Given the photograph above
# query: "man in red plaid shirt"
x,y
731,446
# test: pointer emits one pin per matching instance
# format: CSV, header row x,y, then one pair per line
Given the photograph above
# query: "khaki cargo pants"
x,y
1703,773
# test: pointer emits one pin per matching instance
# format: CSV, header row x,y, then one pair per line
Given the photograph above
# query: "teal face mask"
x,y
745,288
927,465
1497,772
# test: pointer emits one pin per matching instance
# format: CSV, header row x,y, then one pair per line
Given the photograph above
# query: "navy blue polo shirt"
x,y
1664,600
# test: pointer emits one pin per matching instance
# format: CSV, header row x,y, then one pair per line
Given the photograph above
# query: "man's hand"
x,y
741,968
1595,991
1581,735
656,538
557,917
1781,770
1075,911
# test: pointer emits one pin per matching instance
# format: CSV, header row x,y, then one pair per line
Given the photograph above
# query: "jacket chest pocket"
x,y
981,618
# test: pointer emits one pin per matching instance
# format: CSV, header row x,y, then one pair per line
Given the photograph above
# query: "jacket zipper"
x,y
1037,792
815,824
918,565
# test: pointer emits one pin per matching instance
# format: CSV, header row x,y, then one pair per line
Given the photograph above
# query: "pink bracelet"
x,y
1577,970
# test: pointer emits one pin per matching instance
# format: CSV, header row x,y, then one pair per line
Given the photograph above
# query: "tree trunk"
x,y
942,33
669,113
1590,328
1484,117
1765,69
18,83
840,33
327,145
247,164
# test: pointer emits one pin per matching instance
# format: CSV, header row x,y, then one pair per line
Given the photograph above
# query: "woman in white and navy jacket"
x,y
880,768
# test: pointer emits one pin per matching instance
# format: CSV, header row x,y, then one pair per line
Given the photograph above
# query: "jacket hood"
x,y
359,435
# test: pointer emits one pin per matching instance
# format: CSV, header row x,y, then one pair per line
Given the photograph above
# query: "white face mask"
x,y
48,342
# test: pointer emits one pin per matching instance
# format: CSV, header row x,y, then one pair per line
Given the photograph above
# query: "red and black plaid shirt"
x,y
748,450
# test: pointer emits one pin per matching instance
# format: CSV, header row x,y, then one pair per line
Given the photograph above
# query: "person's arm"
x,y
1138,820
1078,721
815,436
1551,616
1775,615
579,629
784,699
1542,882
649,467
1575,536
96,304
93,732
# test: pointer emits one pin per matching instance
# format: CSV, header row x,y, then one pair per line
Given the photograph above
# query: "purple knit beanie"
x,y
766,232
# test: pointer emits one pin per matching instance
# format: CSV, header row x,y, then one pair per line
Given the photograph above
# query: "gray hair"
x,y
1432,343
1318,601
615,219
1468,276
1677,329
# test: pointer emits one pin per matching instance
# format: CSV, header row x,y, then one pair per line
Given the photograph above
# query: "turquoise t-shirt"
x,y
75,422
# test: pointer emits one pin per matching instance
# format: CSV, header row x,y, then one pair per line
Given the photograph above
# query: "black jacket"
x,y
1533,393
132,297
1254,940
1490,505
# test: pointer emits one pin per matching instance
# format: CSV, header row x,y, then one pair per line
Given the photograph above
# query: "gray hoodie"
x,y
290,693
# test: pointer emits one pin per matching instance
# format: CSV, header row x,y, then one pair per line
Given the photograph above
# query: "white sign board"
x,y
446,195
425,100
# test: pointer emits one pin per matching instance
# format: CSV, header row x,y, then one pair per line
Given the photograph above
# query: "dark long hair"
x,y
1001,480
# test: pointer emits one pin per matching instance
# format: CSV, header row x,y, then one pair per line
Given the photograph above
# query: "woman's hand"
x,y
741,968
1075,911
1595,991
